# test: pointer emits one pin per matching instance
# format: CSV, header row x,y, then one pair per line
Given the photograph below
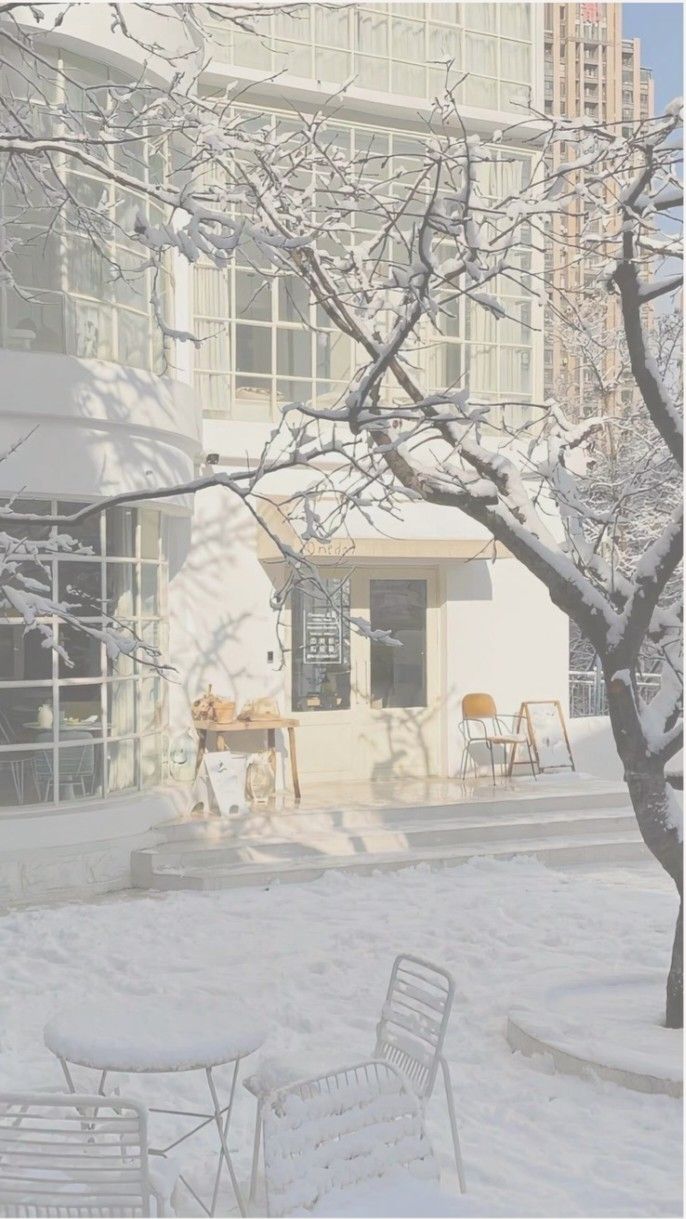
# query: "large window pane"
x,y
24,712
30,531
20,781
120,590
22,655
121,532
79,763
293,353
87,532
121,708
82,653
253,349
320,630
253,296
398,674
79,585
80,710
121,766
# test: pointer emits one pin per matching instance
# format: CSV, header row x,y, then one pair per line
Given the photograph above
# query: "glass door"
x,y
368,710
396,683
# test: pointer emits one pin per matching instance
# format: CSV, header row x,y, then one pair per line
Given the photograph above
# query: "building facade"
x,y
85,742
590,72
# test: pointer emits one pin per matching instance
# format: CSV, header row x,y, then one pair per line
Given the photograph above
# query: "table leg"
x,y
202,745
222,1131
226,1127
294,763
67,1075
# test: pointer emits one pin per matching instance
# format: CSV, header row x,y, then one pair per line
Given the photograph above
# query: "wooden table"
x,y
209,728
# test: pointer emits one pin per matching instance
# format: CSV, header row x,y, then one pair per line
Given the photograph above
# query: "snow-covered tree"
x,y
396,252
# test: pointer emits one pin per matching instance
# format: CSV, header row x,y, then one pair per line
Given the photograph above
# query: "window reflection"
x,y
398,674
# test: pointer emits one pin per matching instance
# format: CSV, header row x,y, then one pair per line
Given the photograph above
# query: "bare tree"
x,y
395,253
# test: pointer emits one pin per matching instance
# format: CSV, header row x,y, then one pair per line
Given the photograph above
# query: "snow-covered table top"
x,y
154,1034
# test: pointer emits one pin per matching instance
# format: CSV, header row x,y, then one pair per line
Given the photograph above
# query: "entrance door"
x,y
396,684
368,709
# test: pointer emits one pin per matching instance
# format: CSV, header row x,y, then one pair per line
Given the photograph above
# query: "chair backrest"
x,y
414,1020
478,707
77,760
339,1131
72,1155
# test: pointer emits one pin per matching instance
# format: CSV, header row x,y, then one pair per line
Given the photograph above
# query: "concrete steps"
x,y
259,848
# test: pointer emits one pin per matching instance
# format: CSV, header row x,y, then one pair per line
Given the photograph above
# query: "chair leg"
x,y
465,759
450,1100
531,760
255,1157
490,754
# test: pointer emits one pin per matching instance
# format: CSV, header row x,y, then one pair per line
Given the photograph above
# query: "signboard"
x,y
223,780
548,735
323,637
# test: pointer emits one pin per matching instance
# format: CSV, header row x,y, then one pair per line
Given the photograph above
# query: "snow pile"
x,y
314,961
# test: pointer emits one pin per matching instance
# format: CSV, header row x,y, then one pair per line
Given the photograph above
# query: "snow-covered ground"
x,y
313,961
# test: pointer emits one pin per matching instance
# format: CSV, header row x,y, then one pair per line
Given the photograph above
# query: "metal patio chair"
x,y
483,724
410,1035
339,1131
77,765
74,1155
15,760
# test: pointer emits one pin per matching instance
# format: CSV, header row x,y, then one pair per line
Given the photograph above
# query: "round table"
x,y
151,1036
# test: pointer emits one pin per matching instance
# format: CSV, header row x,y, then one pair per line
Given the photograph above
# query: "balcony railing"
x,y
588,696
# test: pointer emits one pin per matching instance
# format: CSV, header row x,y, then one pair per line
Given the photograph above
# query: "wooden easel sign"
x,y
547,732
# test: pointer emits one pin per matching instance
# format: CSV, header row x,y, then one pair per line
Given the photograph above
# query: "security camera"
x,y
212,459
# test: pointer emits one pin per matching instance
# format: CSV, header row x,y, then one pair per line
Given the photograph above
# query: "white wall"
x,y
504,637
100,428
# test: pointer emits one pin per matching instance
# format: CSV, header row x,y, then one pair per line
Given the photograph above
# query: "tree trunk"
x,y
675,981
652,799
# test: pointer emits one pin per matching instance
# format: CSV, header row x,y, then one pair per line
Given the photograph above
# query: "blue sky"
x,y
660,28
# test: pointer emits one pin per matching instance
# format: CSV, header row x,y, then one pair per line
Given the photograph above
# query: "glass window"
x,y
79,586
253,349
293,355
22,655
320,635
253,296
398,673
51,732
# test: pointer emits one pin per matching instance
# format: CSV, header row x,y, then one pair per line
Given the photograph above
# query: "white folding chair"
x,y
339,1131
410,1035
412,1029
76,1155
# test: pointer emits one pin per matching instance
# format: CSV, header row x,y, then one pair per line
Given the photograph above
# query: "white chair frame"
x,y
412,1030
347,1127
410,1035
74,1155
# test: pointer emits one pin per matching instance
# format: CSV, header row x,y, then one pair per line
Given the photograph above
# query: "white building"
x,y
81,365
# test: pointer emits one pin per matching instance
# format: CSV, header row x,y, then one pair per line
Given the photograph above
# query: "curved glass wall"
x,y
395,48
74,724
79,284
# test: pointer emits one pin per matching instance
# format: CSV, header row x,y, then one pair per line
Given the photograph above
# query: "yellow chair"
x,y
483,725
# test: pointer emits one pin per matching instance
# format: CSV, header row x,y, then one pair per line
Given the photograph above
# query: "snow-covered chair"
x,y
410,1034
412,1029
341,1131
75,1155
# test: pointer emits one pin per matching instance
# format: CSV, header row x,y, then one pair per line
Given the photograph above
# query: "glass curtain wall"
x,y
75,724
266,343
67,295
